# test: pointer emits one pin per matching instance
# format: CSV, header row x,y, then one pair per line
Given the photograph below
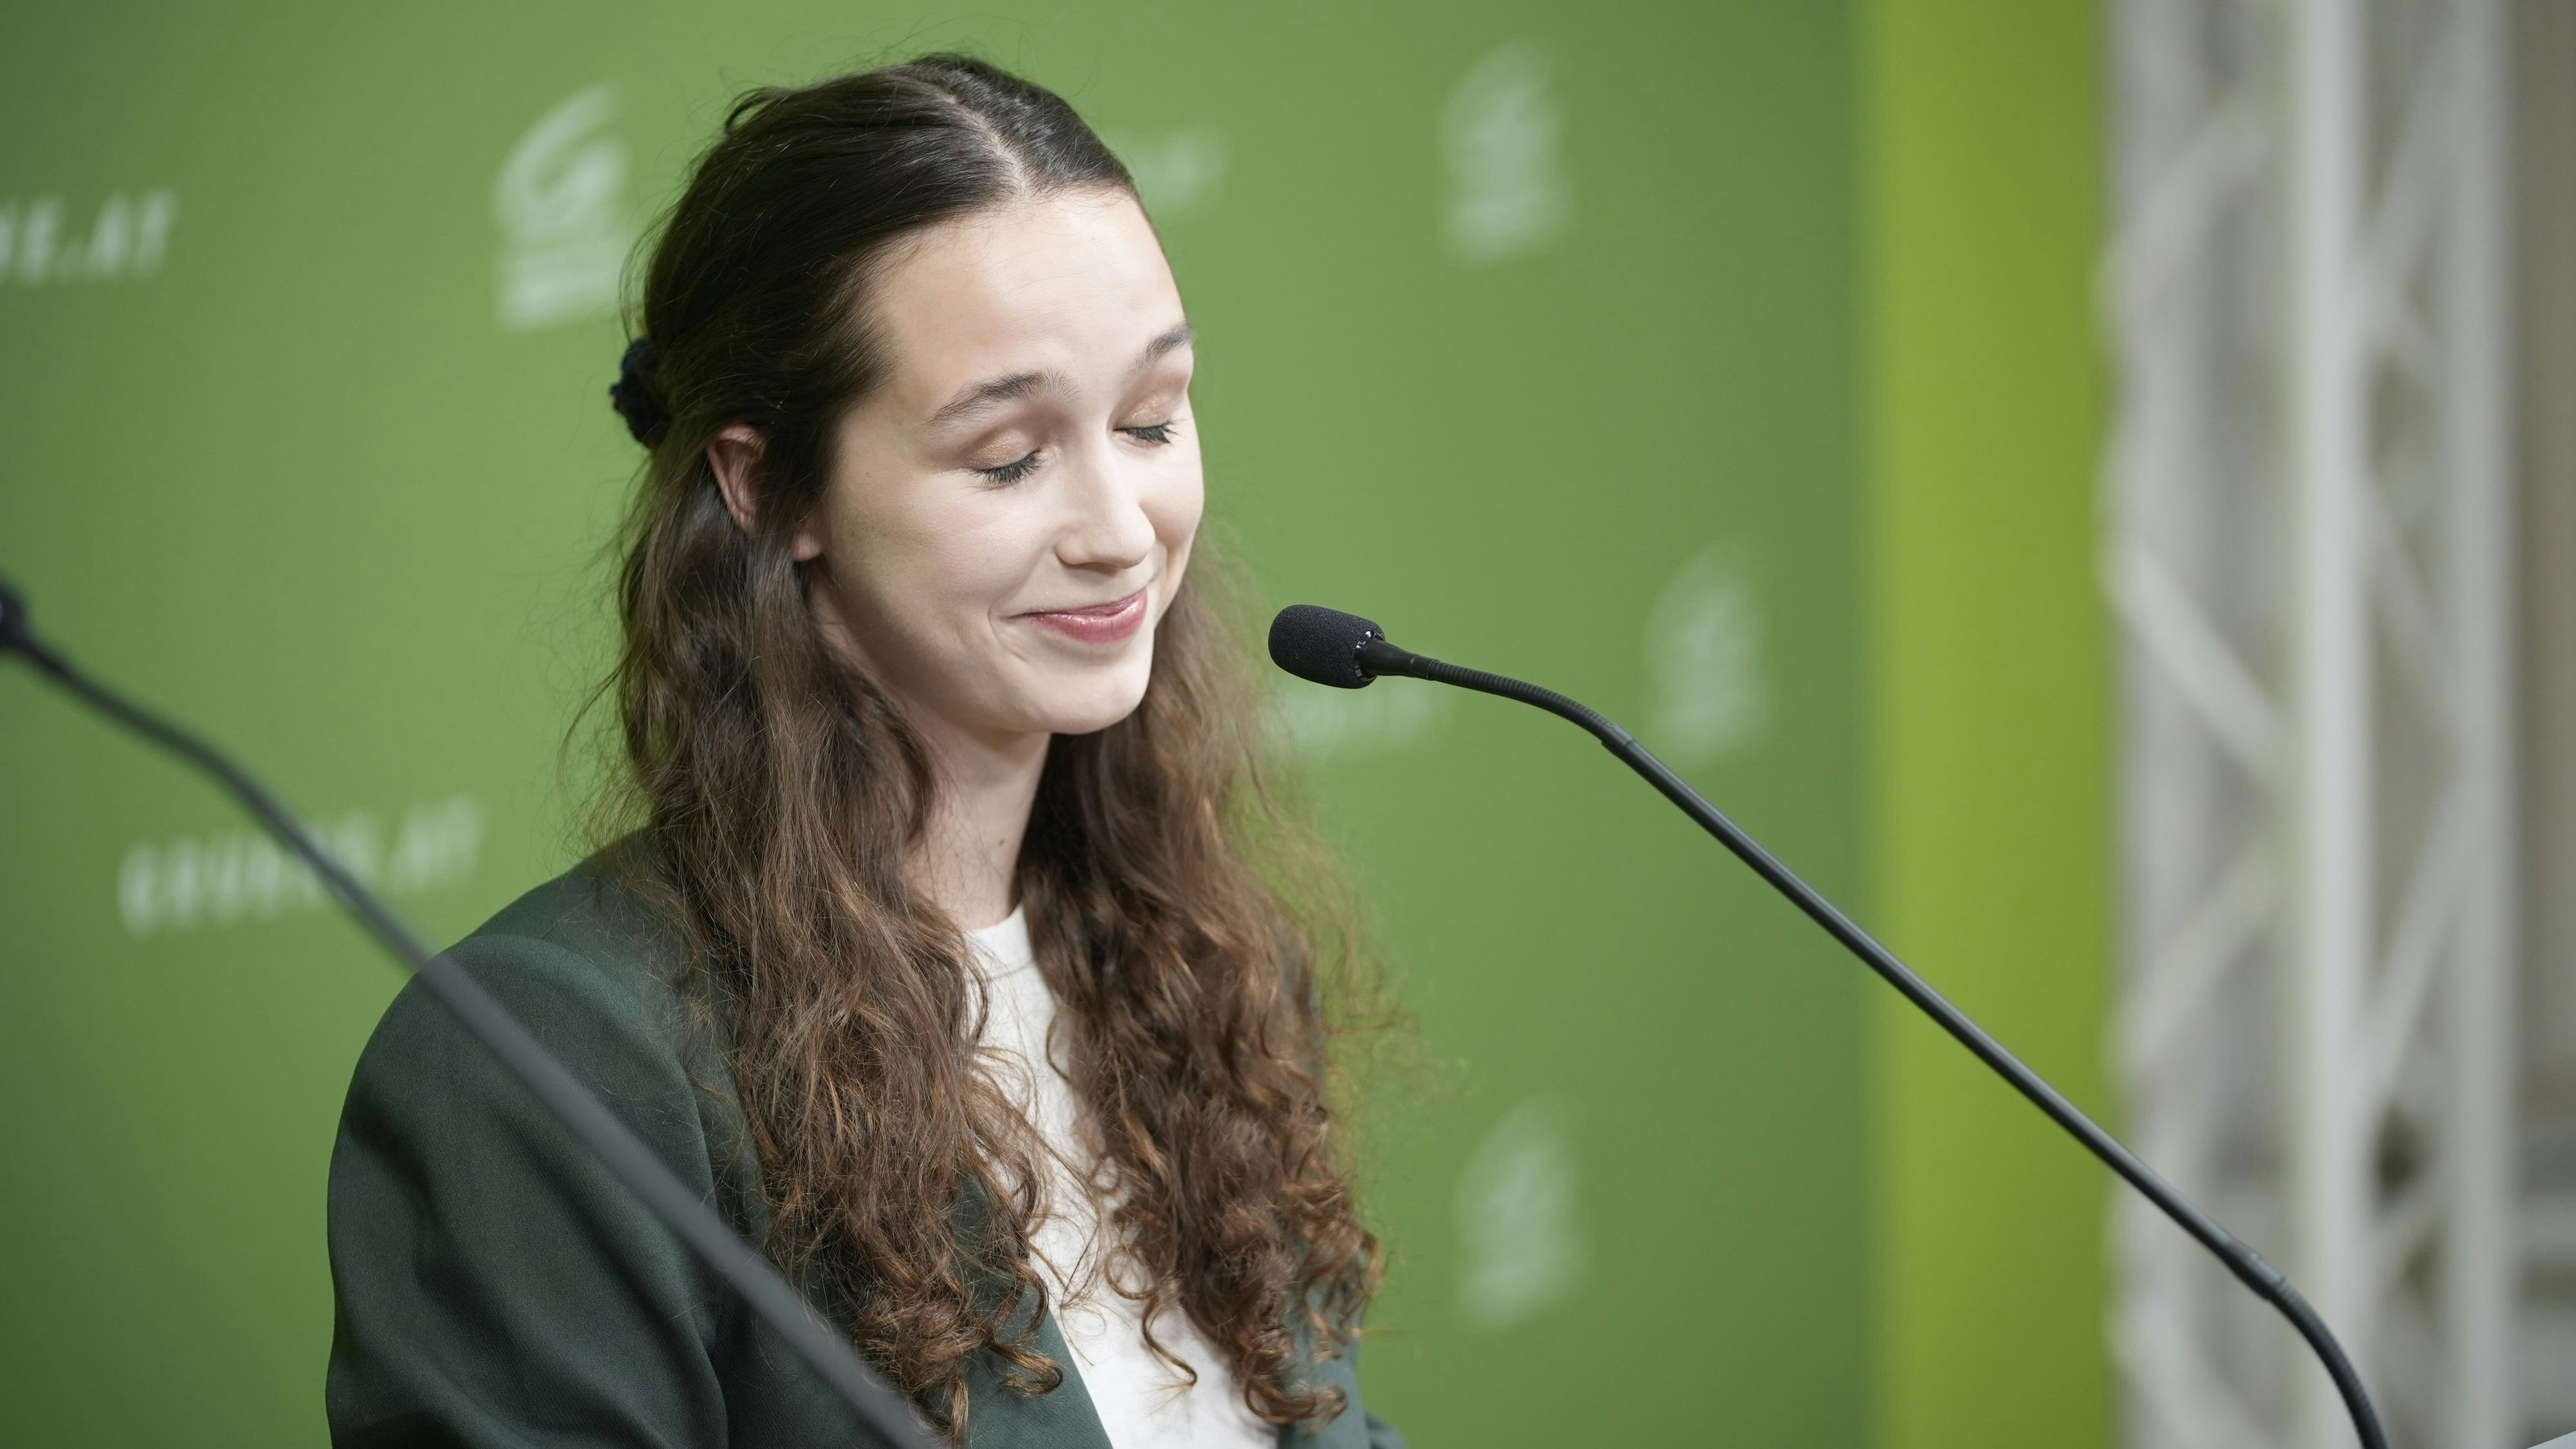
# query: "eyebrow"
x,y
1178,337
994,391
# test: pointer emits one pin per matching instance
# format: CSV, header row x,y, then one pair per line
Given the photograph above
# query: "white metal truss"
x,y
2309,546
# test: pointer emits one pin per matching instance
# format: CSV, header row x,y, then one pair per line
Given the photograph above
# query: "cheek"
x,y
1175,508
932,572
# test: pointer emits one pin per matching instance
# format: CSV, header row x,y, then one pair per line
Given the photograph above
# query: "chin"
x,y
1092,705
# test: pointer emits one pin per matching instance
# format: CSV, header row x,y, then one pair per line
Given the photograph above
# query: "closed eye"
x,y
1156,433
1012,472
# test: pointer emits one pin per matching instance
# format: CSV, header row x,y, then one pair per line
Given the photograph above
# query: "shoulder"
x,y
488,1270
582,963
582,955
585,964
597,914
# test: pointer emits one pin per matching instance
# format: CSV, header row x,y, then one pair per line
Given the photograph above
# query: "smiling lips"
x,y
1099,624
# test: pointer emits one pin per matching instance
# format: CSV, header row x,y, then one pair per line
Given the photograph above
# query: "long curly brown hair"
x,y
781,790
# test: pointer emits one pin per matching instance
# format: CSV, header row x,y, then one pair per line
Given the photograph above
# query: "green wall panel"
x,y
1530,329
1989,838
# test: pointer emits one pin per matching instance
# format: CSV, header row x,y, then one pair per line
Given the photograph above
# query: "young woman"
x,y
937,956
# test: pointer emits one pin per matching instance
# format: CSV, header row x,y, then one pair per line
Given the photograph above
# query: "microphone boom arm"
x,y
606,1135
1375,656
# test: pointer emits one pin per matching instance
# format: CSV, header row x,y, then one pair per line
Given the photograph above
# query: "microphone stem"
x,y
607,1136
2267,1282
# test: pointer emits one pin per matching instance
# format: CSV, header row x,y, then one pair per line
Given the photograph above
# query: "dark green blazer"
x,y
495,1287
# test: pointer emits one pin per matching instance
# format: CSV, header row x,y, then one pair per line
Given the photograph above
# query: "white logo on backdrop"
x,y
1704,659
561,204
1326,723
1507,191
41,242
1516,1217
242,875
1178,172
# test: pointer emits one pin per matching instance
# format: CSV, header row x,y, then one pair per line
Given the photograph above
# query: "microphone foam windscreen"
x,y
1322,645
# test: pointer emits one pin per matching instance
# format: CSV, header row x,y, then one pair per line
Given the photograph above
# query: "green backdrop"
x,y
1559,338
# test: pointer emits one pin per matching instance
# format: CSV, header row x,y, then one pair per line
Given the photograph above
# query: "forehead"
x,y
1072,283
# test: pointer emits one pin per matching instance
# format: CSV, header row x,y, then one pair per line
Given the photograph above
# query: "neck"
x,y
968,859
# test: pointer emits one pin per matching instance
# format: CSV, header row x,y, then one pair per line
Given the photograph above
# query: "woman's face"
x,y
1011,510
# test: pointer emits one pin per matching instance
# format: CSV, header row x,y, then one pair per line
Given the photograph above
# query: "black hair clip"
x,y
635,397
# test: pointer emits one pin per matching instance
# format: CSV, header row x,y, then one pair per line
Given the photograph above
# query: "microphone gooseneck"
x,y
1331,647
484,1017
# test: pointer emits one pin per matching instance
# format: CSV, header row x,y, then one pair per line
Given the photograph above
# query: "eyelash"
x,y
1151,434
1012,472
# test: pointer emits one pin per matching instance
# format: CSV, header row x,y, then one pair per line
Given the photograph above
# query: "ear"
x,y
734,455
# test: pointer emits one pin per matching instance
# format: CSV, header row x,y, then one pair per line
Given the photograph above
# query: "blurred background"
x,y
2093,486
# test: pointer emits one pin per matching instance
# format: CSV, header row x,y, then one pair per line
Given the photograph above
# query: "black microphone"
x,y
1346,651
488,1021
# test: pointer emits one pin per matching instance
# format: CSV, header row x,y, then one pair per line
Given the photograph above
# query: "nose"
x,y
1109,528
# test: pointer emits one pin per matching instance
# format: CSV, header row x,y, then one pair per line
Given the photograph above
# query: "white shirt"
x,y
1143,1403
